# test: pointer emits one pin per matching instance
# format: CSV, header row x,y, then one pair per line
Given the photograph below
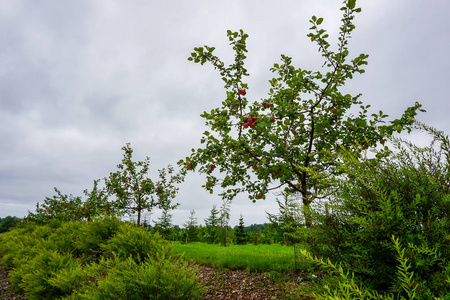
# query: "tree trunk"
x,y
307,210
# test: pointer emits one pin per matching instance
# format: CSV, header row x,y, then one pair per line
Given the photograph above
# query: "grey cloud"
x,y
78,80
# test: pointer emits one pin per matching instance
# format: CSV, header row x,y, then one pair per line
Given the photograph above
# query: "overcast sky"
x,y
80,79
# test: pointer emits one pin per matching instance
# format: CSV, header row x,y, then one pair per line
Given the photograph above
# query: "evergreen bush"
x,y
102,259
404,193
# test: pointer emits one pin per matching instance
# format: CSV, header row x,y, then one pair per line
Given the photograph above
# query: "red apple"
x,y
259,196
255,118
272,120
334,111
213,166
252,125
242,92
245,125
267,104
189,165
255,167
294,131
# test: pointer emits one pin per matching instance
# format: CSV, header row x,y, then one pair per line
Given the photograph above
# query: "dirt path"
x,y
238,284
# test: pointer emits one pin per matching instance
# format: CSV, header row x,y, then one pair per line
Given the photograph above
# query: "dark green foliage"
x,y
164,224
405,194
8,223
259,234
239,232
190,228
285,223
212,224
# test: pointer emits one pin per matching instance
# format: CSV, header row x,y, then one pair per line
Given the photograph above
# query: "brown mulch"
x,y
238,284
4,284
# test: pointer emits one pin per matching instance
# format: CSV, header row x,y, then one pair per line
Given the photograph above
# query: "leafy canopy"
x,y
289,139
136,192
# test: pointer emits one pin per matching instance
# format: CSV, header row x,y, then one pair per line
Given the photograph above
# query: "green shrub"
x,y
64,238
23,243
103,259
134,242
93,234
72,280
152,279
33,277
347,289
404,194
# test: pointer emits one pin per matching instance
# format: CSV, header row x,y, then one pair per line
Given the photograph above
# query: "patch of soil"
x,y
4,284
238,284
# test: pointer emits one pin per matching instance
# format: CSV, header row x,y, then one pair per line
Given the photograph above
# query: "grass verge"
x,y
249,257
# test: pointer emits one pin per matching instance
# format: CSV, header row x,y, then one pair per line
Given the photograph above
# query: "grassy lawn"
x,y
275,262
250,257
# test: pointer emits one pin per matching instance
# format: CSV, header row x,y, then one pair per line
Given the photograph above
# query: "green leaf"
x,y
351,4
319,21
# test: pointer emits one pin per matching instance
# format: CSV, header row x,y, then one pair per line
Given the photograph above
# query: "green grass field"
x,y
250,257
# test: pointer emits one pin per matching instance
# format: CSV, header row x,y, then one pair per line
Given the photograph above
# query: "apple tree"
x,y
97,203
136,192
287,140
59,207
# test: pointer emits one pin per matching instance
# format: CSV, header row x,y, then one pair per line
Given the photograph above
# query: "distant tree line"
x,y
8,223
279,229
